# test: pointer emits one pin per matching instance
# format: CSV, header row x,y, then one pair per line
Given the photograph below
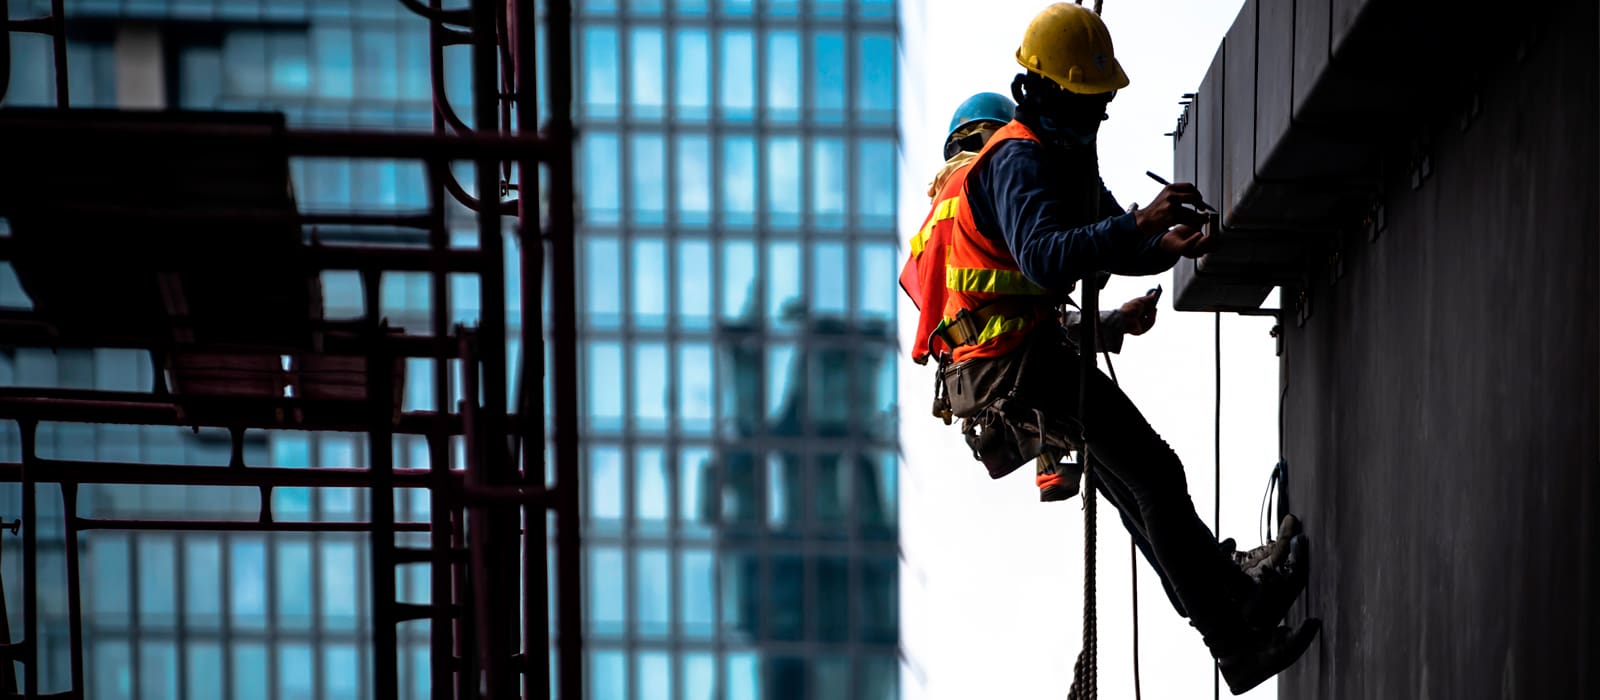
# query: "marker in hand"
x,y
1204,208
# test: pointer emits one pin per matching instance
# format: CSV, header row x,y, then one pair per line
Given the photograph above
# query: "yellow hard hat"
x,y
1070,45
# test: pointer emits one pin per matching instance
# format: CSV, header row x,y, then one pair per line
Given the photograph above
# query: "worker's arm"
x,y
1026,198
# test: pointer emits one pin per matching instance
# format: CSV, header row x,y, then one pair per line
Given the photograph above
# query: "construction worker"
x,y
1020,224
974,121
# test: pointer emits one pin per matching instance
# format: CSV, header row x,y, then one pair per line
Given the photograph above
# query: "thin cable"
x,y
1216,503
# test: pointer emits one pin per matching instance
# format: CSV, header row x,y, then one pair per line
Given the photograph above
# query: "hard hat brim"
x,y
1115,80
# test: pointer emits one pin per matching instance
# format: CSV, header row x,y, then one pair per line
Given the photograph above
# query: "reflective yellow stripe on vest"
x,y
943,211
968,279
994,328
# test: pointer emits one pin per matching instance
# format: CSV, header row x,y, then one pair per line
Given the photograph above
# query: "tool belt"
x,y
996,400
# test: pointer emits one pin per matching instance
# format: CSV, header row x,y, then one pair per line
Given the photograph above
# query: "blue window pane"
x,y
652,502
696,490
879,600
875,186
693,65
831,676
609,678
106,576
828,182
605,487
645,7
740,501
655,676
786,609
245,55
737,59
249,671
694,284
875,8
828,8
650,387
741,581
782,8
290,450
784,196
697,593
600,71
604,377
295,672
653,592
646,72
691,7
786,304
880,677
601,194
377,53
649,279
737,7
157,569
158,669
204,670
607,578
342,672
416,83
876,398
694,179
602,265
738,280
112,663
700,677
200,77
829,272
878,485
875,90
648,178
202,594
290,66
833,603
783,75
785,490
744,676
696,388
248,557
340,584
878,275
294,584
781,386
597,7
739,179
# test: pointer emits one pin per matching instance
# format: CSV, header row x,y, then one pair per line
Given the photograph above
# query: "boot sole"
x,y
1299,641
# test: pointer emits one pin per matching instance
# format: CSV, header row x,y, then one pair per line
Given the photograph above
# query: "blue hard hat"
x,y
982,107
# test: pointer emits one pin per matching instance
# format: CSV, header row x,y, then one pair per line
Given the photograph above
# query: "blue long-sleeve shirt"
x,y
1026,194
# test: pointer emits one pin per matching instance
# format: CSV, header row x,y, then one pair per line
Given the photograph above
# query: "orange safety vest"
x,y
954,266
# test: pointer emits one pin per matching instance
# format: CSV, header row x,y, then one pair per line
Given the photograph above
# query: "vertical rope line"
x,y
1216,503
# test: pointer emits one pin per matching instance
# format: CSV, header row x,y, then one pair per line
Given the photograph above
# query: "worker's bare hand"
x,y
1167,210
1139,314
1189,241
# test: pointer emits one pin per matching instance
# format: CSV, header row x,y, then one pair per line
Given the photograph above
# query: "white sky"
x,y
991,585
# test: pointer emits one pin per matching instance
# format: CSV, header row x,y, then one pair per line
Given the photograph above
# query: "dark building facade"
x,y
1424,181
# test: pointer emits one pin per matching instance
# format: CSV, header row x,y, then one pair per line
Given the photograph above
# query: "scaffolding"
x,y
235,331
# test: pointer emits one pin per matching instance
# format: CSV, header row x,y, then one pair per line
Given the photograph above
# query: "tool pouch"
x,y
1001,422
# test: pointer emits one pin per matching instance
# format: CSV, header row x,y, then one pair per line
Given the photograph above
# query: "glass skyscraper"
x,y
737,202
737,184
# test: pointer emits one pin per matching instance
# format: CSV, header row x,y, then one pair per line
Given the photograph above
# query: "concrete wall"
x,y
1441,411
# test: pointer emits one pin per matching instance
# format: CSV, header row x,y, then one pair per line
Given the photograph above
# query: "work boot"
x,y
1278,586
1256,562
1248,662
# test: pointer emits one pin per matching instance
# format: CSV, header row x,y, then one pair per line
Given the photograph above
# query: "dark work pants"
x,y
1144,479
